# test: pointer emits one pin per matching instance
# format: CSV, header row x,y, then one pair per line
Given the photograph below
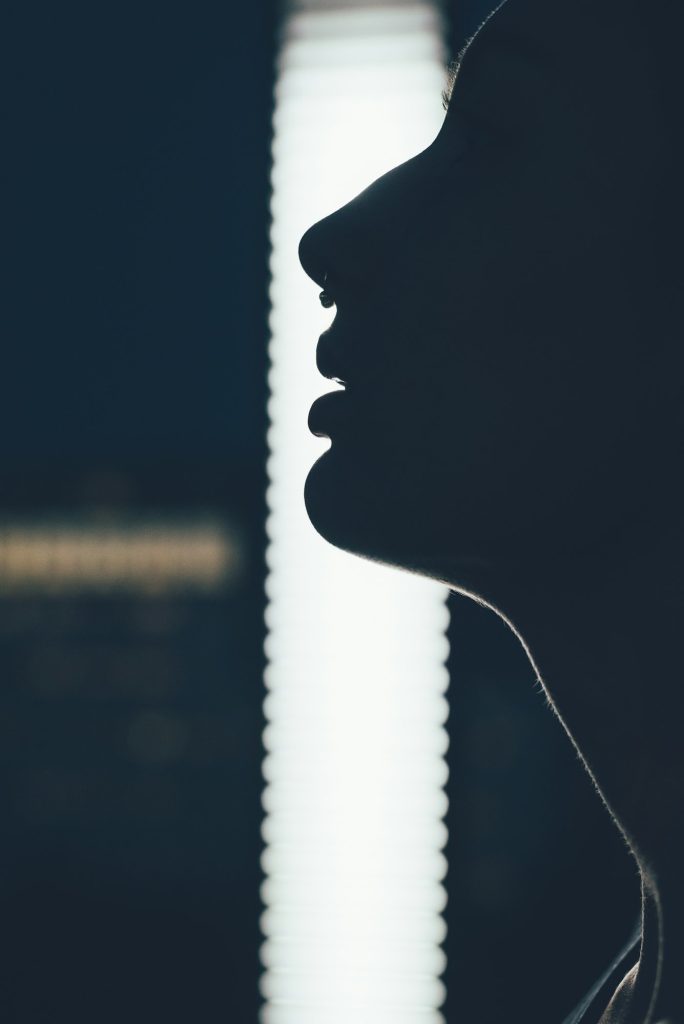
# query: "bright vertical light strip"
x,y
356,680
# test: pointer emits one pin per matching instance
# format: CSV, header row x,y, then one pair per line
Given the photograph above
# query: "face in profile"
x,y
495,319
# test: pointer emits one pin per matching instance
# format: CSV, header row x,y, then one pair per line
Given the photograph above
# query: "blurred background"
x,y
138,146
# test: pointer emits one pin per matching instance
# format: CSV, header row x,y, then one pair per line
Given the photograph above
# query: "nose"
x,y
352,243
331,248
311,253
334,251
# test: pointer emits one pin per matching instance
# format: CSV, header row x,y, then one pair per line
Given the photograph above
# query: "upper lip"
x,y
330,359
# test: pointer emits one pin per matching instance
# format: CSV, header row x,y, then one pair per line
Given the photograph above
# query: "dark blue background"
x,y
136,230
134,329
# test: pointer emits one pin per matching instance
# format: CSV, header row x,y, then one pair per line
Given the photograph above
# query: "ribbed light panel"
x,y
356,705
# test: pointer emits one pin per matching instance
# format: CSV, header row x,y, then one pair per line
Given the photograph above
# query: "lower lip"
x,y
328,412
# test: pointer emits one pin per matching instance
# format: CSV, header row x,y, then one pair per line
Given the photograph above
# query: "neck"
x,y
651,993
606,652
604,639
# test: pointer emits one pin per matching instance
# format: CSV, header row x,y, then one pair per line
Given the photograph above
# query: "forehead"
x,y
549,86
567,55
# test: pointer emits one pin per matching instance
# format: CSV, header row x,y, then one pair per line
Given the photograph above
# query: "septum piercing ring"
x,y
326,300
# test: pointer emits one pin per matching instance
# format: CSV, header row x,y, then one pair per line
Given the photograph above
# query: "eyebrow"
x,y
455,65
452,74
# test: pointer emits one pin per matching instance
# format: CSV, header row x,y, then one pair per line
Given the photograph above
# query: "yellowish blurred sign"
x,y
151,555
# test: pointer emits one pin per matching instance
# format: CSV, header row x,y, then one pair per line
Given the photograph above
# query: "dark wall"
x,y
136,229
134,389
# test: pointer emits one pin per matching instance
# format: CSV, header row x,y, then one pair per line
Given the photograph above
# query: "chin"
x,y
349,510
363,512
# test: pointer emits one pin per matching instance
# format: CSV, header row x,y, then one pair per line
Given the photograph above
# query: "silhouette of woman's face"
x,y
489,329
